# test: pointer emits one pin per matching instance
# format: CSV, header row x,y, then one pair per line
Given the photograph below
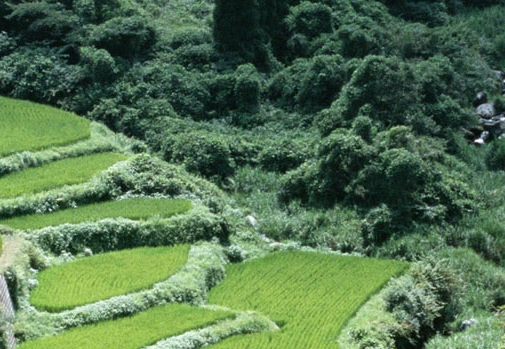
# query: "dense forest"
x,y
345,125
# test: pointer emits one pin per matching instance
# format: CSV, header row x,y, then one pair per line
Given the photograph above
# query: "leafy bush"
x,y
484,281
110,235
201,153
38,75
495,158
309,19
424,301
127,37
283,156
247,89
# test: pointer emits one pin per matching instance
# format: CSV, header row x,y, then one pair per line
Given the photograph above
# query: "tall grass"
x,y
133,332
310,295
134,208
56,174
88,280
29,126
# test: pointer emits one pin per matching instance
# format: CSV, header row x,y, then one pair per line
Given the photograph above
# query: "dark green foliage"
x,y
495,159
360,36
37,75
99,63
201,153
309,19
310,85
125,37
237,29
42,21
283,156
247,89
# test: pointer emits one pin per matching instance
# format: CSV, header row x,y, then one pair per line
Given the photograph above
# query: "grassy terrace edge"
x,y
87,280
133,208
42,126
311,295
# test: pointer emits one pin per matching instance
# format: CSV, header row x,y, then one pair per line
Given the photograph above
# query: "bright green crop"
x,y
132,332
102,276
135,208
56,174
310,295
30,126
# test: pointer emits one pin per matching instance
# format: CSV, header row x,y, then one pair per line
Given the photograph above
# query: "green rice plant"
x,y
102,140
29,126
133,332
133,208
310,295
56,174
205,267
103,276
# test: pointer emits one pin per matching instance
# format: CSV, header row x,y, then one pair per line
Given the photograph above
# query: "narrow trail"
x,y
12,244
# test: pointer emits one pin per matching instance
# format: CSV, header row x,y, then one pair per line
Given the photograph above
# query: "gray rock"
x,y
467,323
480,98
486,110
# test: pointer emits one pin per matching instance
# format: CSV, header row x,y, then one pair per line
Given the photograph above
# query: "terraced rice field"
x,y
56,174
30,126
102,276
133,332
134,208
310,295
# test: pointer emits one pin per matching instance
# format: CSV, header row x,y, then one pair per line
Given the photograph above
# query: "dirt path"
x,y
11,246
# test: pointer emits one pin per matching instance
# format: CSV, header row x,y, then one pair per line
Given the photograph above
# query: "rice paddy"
x,y
102,276
56,174
134,208
133,332
30,126
311,295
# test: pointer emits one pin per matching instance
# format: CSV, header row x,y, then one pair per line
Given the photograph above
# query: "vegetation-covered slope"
x,y
340,124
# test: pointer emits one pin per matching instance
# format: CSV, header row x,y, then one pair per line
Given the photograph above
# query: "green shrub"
x,y
484,281
283,156
202,153
247,89
424,301
127,37
38,75
495,158
109,234
309,19
100,65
